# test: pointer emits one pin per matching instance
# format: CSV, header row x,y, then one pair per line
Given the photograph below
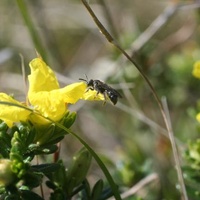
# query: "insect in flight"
x,y
102,88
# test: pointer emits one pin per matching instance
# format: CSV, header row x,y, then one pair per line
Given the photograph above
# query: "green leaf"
x,y
5,141
106,193
30,133
32,179
69,119
29,195
46,168
86,192
109,178
38,150
97,190
3,126
4,149
58,178
78,169
48,135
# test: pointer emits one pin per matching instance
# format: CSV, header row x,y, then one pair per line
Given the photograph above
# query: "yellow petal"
x,y
91,94
49,104
198,117
11,114
42,78
196,69
53,104
73,92
38,120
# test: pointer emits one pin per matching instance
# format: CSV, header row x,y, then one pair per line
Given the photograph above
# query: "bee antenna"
x,y
86,80
86,77
81,79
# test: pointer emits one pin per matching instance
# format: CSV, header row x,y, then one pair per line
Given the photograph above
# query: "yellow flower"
x,y
196,69
45,97
11,114
44,92
198,117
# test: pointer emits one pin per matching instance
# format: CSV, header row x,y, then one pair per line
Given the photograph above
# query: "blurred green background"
x,y
163,37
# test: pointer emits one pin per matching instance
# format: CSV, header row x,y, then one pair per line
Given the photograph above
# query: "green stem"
x,y
107,174
108,17
34,34
112,41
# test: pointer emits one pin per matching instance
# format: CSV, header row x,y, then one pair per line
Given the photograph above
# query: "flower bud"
x,y
78,168
6,174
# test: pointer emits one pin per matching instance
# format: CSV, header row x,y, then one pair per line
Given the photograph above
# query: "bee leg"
x,y
105,98
96,94
89,88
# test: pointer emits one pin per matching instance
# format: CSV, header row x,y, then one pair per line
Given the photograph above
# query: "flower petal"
x,y
196,69
198,117
53,104
73,92
11,114
49,104
42,78
91,94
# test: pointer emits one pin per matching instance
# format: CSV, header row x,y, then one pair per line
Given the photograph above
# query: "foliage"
x,y
156,46
192,169
18,176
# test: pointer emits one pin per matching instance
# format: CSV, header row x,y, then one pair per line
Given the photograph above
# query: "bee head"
x,y
90,82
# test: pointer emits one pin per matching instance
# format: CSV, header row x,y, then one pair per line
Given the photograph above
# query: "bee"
x,y
102,88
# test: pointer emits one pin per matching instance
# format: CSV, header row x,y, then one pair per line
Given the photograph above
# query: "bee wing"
x,y
120,96
102,87
114,91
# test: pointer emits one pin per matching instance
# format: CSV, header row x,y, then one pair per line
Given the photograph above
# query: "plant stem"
x,y
34,34
112,41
